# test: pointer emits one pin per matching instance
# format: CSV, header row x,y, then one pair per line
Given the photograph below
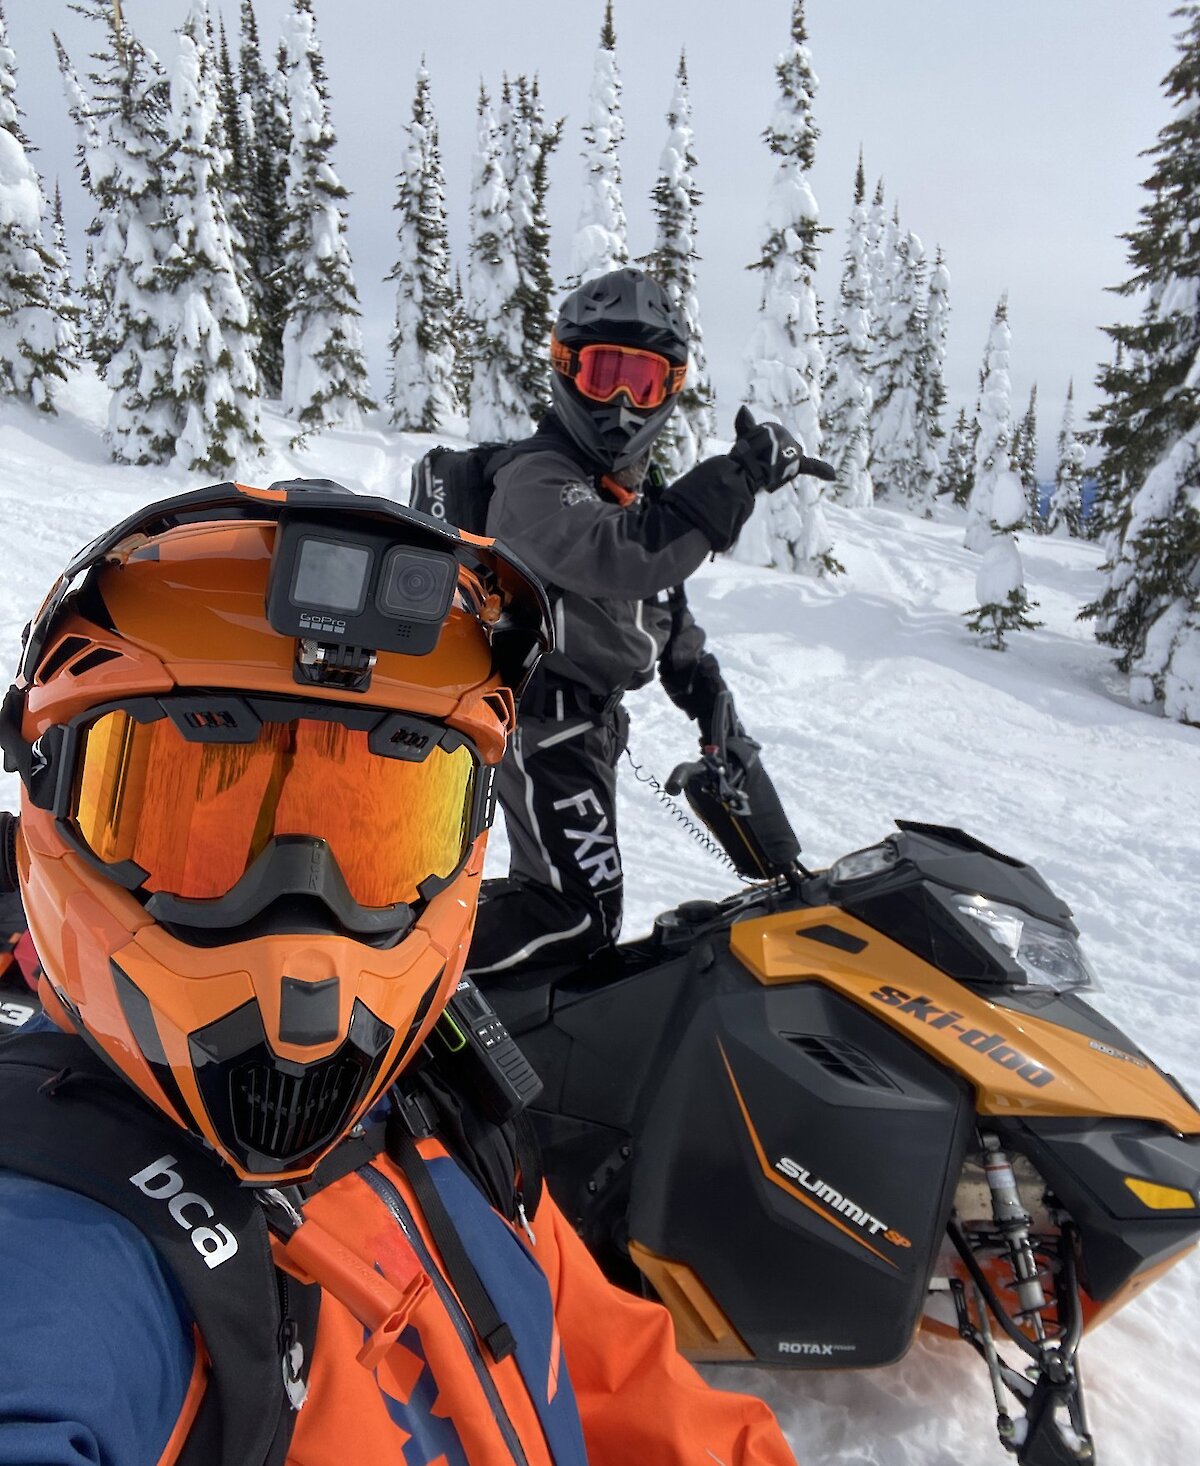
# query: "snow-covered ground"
x,y
872,701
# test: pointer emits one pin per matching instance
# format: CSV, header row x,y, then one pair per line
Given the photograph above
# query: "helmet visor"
x,y
194,815
601,372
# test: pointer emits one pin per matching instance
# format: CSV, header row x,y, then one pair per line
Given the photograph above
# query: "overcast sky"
x,y
1008,131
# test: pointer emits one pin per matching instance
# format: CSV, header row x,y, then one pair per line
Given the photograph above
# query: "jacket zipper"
x,y
392,1199
291,1354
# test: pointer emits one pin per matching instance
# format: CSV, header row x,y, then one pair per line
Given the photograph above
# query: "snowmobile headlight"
x,y
862,863
1048,956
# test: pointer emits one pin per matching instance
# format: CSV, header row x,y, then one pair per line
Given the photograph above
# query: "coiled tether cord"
x,y
697,832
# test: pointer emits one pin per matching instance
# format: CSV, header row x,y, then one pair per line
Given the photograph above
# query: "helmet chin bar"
x,y
612,434
290,865
272,1114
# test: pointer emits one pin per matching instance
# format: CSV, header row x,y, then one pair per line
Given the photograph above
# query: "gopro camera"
x,y
357,588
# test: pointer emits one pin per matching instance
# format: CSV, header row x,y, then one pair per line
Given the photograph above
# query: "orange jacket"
x,y
595,1377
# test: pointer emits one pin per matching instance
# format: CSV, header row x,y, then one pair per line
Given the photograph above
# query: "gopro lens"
x,y
416,585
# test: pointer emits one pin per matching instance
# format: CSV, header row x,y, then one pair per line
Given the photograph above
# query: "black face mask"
x,y
612,434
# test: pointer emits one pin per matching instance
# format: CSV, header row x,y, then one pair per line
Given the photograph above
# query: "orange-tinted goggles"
x,y
601,372
193,807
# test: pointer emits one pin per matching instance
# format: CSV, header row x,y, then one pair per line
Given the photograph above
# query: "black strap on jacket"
x,y
467,1283
504,1162
83,1128
73,1123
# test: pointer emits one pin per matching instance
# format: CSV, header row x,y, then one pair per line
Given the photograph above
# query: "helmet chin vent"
x,y
273,1114
284,1115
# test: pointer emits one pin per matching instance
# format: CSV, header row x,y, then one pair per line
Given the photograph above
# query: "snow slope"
x,y
871,701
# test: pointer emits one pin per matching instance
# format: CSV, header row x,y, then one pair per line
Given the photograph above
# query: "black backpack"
x,y
454,485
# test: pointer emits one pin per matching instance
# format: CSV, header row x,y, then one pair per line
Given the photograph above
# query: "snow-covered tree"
x,y
266,133
848,391
676,200
62,297
881,240
122,139
531,142
232,135
324,374
462,330
1162,549
497,410
10,111
92,305
899,466
1023,460
958,471
213,374
994,443
1003,602
1110,501
1065,512
1149,424
600,243
35,340
422,393
931,380
785,359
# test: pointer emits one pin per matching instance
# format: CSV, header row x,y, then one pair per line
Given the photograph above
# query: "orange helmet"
x,y
256,732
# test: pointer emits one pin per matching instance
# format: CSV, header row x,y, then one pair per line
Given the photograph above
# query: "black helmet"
x,y
626,308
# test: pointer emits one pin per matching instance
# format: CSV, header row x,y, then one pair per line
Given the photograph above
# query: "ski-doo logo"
x,y
993,1045
215,1244
837,1202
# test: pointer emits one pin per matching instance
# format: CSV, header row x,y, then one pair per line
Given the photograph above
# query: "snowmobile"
x,y
846,1105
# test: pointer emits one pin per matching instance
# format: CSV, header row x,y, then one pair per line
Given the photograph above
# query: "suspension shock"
x,y
1013,1222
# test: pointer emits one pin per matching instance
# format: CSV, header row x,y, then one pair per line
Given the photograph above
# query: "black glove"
x,y
769,456
766,452
730,791
696,690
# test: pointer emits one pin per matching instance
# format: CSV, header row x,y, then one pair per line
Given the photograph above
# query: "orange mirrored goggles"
x,y
601,372
243,799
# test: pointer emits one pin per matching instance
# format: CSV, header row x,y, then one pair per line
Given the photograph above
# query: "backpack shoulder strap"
x,y
84,1129
499,455
503,1160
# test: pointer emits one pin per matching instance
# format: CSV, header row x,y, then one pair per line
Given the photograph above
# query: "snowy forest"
x,y
218,277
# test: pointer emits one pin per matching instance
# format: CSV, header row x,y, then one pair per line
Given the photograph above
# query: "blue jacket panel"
x,y
95,1344
517,1286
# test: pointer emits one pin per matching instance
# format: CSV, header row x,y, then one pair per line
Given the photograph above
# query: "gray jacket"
x,y
603,565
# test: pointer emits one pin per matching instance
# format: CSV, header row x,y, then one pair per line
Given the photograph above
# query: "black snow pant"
x,y
561,902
